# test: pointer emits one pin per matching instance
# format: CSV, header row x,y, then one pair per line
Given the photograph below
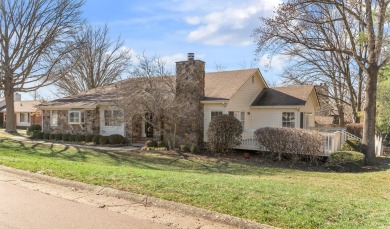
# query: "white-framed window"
x,y
113,117
288,119
240,115
24,117
215,114
75,117
53,118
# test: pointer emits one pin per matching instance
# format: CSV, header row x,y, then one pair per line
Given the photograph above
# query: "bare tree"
x,y
219,67
337,71
150,97
34,36
35,95
302,22
97,61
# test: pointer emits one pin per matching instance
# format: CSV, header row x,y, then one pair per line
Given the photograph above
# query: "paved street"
x,y
24,208
29,202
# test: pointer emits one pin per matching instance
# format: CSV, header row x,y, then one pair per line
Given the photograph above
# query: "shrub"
x,y
346,161
79,138
96,139
38,135
52,136
150,143
224,133
58,137
65,137
185,148
145,148
161,144
104,140
293,141
352,145
46,136
355,129
116,139
194,149
89,137
72,137
36,128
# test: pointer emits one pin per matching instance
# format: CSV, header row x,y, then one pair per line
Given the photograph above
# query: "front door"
x,y
149,127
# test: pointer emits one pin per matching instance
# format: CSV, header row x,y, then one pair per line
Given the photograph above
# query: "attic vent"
x,y
191,56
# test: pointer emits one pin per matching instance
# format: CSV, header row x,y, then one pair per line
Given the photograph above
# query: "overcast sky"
x,y
218,31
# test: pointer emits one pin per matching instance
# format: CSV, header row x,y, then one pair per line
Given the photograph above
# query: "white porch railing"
x,y
332,141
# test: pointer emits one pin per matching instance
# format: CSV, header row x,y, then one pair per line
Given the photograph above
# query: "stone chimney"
x,y
190,84
17,97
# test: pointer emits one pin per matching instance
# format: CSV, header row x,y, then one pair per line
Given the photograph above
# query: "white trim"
x,y
215,101
80,114
279,107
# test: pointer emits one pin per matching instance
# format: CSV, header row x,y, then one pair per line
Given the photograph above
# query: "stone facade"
x,y
190,91
90,125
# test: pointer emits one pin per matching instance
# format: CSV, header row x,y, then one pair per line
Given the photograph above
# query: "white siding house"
x,y
255,104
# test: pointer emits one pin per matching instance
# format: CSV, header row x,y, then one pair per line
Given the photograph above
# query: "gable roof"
x,y
284,96
218,86
223,85
88,99
24,106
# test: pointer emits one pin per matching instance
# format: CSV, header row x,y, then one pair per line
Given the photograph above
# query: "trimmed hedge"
x,y
89,137
46,136
346,161
96,139
38,135
52,136
79,138
352,145
104,140
72,138
36,128
58,137
116,139
280,140
224,133
65,137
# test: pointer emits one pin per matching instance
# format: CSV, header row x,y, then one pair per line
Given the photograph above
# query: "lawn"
x,y
287,198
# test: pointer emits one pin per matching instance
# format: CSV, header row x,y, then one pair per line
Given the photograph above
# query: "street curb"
x,y
147,200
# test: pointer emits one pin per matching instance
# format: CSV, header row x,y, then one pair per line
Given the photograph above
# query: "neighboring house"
x,y
242,93
26,112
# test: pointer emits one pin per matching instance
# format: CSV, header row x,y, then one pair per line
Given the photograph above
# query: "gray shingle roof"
x,y
284,96
218,86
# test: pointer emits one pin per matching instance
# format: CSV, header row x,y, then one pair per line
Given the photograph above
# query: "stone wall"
x,y
190,84
90,125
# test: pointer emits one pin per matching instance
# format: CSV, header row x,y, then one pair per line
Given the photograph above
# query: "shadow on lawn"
x,y
164,161
45,150
154,161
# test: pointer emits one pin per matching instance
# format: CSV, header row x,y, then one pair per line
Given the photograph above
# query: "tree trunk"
x,y
10,110
370,115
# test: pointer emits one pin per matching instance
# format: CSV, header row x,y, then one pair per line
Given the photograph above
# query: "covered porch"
x,y
333,139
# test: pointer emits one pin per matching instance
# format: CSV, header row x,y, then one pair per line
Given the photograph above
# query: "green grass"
x,y
288,198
